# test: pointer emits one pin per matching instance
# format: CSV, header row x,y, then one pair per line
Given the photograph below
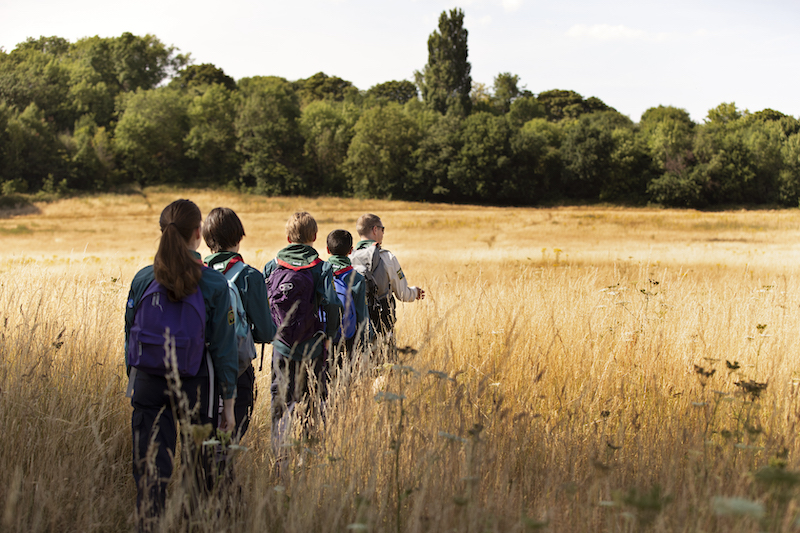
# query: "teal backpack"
x,y
244,335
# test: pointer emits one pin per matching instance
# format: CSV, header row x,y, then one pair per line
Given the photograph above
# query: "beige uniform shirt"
x,y
397,280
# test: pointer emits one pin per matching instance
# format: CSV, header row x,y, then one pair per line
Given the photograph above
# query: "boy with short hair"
x,y
223,233
380,266
356,330
299,284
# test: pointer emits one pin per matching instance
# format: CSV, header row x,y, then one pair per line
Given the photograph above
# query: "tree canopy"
x,y
445,82
102,113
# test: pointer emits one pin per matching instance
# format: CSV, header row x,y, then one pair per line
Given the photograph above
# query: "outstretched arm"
x,y
398,281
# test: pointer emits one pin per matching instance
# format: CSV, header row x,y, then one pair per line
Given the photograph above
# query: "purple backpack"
x,y
293,303
186,321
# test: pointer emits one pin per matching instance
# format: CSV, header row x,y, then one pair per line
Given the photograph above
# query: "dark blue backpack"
x,y
341,281
293,303
184,320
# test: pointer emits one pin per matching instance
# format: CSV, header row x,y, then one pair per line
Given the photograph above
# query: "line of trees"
x,y
102,113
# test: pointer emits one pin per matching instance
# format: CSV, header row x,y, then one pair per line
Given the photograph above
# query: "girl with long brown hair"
x,y
181,354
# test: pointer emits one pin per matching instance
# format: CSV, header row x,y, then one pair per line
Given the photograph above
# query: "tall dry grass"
x,y
560,378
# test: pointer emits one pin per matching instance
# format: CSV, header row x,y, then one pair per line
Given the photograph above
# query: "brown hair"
x,y
222,229
301,228
174,266
366,222
339,242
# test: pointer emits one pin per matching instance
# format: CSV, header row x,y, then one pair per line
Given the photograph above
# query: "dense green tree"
x,y
482,168
33,155
591,157
669,132
320,86
789,176
200,75
436,152
394,91
445,82
524,109
130,62
89,95
506,91
586,153
52,46
724,113
33,73
268,136
790,125
67,80
739,157
6,113
537,159
379,157
631,168
90,156
559,104
143,62
328,127
669,135
149,136
211,140
678,189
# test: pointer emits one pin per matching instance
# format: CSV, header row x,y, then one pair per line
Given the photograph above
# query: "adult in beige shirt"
x,y
380,265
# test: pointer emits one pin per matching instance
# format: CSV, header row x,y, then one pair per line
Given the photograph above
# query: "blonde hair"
x,y
366,222
301,228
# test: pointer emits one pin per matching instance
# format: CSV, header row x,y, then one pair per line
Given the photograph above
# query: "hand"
x,y
420,294
228,420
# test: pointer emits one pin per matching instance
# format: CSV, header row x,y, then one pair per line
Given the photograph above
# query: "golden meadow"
x,y
571,369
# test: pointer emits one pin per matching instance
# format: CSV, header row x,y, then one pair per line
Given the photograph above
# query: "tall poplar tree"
x,y
445,82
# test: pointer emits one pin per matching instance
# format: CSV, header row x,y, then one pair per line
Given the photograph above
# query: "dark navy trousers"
x,y
157,412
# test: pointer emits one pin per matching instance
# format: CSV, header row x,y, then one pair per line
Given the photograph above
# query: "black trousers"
x,y
157,412
245,399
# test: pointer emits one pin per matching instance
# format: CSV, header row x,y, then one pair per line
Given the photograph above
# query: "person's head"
x,y
340,242
301,228
222,230
370,227
175,267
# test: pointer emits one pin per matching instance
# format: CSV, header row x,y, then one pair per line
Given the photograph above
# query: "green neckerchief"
x,y
297,254
221,257
364,244
339,261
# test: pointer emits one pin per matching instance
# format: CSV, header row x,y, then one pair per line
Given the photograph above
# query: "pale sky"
x,y
632,54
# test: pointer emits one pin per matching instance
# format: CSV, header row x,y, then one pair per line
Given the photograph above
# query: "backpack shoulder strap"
x,y
374,258
234,271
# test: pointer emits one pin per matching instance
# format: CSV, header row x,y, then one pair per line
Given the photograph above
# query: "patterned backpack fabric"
x,y
244,334
293,303
157,316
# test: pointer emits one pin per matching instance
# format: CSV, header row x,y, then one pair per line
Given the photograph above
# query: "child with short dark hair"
x,y
356,330
299,285
223,232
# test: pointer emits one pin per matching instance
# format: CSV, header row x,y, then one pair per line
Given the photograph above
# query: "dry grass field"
x,y
573,369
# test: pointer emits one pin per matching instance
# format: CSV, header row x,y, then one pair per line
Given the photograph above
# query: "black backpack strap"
x,y
374,257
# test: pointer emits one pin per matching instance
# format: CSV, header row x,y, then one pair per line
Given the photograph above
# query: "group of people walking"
x,y
191,326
